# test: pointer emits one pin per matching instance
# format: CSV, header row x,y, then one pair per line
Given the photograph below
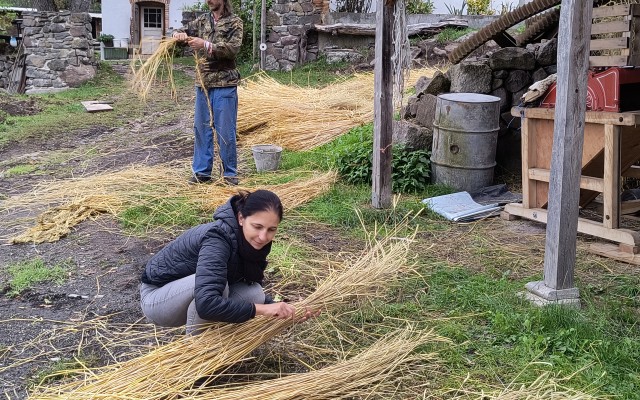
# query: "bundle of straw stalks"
x,y
77,199
168,371
156,68
299,118
361,376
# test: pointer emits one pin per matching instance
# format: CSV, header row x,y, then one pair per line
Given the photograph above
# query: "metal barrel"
x,y
465,136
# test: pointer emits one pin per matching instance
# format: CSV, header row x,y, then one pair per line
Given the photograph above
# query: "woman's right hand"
x,y
279,310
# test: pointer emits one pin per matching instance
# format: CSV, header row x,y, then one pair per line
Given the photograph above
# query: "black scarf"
x,y
253,262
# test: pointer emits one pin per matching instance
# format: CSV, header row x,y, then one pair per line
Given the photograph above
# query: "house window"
x,y
152,17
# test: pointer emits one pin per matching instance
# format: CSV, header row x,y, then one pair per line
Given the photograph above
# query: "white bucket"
x,y
267,157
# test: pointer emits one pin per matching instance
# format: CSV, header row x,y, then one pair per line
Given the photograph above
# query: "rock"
x,y
412,136
470,78
500,74
439,84
411,107
343,55
496,83
517,80
551,69
512,58
547,53
439,52
505,99
74,76
421,85
539,75
426,110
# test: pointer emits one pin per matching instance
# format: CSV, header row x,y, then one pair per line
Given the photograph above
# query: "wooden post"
x,y
383,106
263,34
566,156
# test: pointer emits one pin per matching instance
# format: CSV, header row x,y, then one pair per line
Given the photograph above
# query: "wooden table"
x,y
611,147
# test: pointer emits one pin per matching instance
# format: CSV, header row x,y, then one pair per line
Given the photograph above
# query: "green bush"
x,y
419,6
410,169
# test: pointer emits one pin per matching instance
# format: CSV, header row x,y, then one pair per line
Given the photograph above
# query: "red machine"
x,y
614,90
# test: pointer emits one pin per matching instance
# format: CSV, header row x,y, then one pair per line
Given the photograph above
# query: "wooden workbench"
x,y
611,147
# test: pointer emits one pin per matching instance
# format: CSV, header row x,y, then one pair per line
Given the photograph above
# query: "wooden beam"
x,y
263,34
586,182
595,117
383,106
568,137
611,194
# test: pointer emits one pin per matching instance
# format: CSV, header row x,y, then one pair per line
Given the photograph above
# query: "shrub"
x,y
419,6
410,168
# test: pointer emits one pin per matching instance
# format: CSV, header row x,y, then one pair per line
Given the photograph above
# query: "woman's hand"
x,y
283,310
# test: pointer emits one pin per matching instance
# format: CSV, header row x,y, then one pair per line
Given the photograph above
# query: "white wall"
x,y
116,18
175,12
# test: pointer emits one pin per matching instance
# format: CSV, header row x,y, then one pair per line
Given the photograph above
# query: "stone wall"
x,y
290,41
505,73
6,63
58,49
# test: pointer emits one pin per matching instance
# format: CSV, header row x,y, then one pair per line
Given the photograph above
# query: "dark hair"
x,y
249,203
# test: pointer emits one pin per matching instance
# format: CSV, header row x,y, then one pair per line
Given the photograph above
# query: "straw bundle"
x,y
157,67
361,375
113,192
173,368
303,118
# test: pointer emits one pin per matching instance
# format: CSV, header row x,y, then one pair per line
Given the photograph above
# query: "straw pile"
x,y
299,118
77,199
360,376
544,387
173,368
158,67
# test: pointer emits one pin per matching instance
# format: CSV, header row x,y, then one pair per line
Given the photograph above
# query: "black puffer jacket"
x,y
211,252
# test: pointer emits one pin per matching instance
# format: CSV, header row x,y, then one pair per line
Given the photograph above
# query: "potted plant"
x,y
106,39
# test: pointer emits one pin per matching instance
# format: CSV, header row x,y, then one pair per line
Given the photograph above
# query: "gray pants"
x,y
173,304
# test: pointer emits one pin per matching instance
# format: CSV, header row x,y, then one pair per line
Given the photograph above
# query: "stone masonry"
x,y
58,49
290,41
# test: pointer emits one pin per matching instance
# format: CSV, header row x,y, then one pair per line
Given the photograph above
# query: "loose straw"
x,y
74,200
170,369
154,68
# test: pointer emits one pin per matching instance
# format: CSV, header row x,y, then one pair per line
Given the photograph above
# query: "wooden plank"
x,y
568,136
608,61
612,251
383,106
611,194
96,106
611,43
595,117
634,57
586,182
528,156
611,11
610,27
585,226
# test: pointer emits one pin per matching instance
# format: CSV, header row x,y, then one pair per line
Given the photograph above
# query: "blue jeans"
x,y
224,103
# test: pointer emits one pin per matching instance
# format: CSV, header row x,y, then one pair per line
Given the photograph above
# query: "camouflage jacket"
x,y
219,68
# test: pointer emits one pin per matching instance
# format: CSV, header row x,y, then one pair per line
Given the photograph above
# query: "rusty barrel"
x,y
465,135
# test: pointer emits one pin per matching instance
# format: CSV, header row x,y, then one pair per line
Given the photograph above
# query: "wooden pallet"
x,y
617,32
